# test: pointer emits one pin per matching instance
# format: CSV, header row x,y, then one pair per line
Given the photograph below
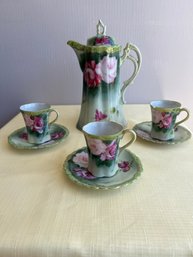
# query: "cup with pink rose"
x,y
102,140
164,118
37,121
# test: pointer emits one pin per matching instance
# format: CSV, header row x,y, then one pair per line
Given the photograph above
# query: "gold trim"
x,y
94,49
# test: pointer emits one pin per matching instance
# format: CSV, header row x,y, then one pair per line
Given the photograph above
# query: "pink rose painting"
x,y
103,41
166,120
125,166
97,147
99,115
84,173
29,122
107,69
38,125
81,159
156,116
110,152
104,151
34,123
91,77
162,119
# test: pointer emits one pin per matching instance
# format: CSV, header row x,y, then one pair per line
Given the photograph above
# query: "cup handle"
x,y
57,114
133,138
187,116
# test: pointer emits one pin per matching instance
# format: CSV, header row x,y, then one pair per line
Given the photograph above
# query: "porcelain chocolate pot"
x,y
103,93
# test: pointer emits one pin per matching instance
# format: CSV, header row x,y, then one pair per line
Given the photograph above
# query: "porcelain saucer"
x,y
18,138
129,167
143,130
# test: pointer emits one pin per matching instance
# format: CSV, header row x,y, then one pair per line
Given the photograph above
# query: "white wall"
x,y
37,65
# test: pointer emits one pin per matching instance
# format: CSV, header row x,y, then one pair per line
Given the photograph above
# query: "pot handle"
x,y
137,65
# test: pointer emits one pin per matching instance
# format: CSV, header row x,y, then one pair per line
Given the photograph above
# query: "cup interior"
x,y
165,104
102,128
168,104
34,107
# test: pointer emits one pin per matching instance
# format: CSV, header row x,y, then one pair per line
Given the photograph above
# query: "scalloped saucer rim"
x,y
129,169
143,129
18,138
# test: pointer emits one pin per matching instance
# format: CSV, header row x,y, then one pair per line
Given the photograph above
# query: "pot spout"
x,y
79,50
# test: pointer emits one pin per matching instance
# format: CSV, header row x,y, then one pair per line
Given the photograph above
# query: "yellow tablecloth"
x,y
43,213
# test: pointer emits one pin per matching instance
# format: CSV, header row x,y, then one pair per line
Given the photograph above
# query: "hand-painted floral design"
x,y
110,152
35,123
23,136
81,162
99,115
84,173
54,136
96,146
124,166
107,69
162,119
91,77
166,120
57,135
28,120
38,124
102,150
105,40
81,159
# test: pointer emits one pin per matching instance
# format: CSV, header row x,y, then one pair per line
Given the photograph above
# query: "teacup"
x,y
36,118
164,115
102,139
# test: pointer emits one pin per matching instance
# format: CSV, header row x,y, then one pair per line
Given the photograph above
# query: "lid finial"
x,y
101,28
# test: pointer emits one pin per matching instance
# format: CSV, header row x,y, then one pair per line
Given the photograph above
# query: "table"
x,y
43,213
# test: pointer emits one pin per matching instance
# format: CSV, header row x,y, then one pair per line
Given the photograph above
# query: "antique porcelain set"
x,y
102,164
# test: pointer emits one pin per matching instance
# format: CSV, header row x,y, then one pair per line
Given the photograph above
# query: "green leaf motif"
x,y
113,110
158,128
100,162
